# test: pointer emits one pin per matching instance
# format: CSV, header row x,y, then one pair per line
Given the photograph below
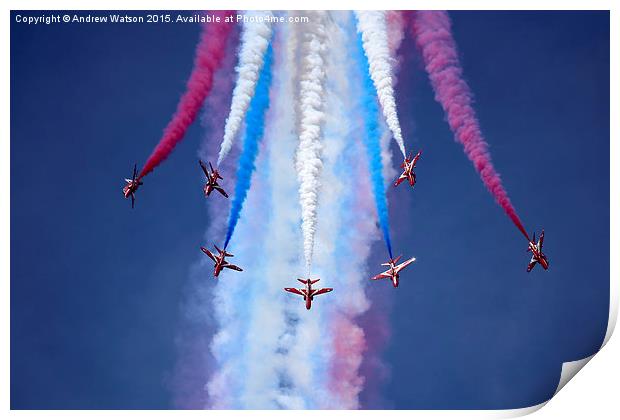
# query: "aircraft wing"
x,y
233,267
384,275
400,179
415,159
206,251
293,290
541,239
221,190
204,168
404,264
531,264
133,200
321,291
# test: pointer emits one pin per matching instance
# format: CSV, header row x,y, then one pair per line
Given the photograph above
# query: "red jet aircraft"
x,y
212,178
537,255
132,186
220,260
308,292
408,166
392,273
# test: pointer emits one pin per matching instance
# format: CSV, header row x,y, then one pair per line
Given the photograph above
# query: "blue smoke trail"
x,y
254,130
371,138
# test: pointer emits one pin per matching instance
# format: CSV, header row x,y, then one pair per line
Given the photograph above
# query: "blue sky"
x,y
96,287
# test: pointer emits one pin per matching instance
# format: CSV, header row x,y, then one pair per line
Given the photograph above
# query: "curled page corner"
x,y
520,412
570,369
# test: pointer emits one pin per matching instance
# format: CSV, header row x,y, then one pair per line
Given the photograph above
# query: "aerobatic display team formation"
x,y
303,155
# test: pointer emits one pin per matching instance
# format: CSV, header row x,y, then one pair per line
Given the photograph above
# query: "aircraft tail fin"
x,y
226,253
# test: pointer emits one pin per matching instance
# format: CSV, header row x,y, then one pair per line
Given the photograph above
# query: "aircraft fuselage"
x,y
130,188
218,266
308,297
538,256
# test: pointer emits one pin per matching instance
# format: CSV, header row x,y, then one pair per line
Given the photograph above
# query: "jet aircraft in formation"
x,y
307,292
132,185
393,273
220,260
212,178
408,166
537,255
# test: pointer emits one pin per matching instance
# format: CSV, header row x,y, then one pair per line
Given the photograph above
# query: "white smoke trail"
x,y
347,225
230,304
287,339
196,327
311,118
395,33
230,295
233,295
255,38
273,317
270,351
263,331
374,29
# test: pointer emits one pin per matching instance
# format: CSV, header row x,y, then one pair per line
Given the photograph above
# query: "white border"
x,y
312,5
596,378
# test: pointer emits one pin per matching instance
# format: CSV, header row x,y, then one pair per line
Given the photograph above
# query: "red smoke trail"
x,y
432,34
209,54
348,345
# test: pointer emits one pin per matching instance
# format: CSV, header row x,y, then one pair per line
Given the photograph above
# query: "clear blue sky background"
x,y
96,287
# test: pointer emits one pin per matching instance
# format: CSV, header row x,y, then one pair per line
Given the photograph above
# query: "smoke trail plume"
x,y
279,380
255,38
269,351
308,359
395,34
231,306
209,55
269,384
347,225
217,105
254,131
194,363
432,33
373,27
371,139
312,115
256,302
